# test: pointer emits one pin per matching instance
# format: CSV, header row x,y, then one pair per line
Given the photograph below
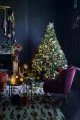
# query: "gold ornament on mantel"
x,y
16,79
19,77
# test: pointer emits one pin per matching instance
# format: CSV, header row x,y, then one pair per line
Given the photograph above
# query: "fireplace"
x,y
6,61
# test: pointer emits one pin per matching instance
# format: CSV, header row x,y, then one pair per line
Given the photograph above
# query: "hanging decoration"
x,y
11,24
8,24
9,21
5,23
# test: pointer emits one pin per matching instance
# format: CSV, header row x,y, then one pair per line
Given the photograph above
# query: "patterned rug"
x,y
41,107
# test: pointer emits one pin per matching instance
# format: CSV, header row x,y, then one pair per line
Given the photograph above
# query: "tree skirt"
x,y
40,108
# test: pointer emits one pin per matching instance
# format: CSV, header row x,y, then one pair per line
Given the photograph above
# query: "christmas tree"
x,y
49,55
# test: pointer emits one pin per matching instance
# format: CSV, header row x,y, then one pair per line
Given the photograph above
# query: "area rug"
x,y
41,107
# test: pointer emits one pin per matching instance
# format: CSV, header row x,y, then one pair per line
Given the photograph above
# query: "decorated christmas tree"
x,y
49,56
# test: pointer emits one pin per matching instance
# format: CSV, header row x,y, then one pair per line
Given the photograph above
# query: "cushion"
x,y
62,76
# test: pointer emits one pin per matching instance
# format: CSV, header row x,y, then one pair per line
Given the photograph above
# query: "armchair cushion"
x,y
62,84
53,86
62,76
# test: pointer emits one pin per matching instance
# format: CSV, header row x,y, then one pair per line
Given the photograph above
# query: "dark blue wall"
x,y
68,36
62,14
41,12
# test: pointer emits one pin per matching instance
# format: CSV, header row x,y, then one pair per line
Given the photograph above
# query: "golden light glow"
x,y
13,79
21,79
16,76
25,66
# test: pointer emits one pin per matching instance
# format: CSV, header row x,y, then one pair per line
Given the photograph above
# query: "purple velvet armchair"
x,y
62,84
